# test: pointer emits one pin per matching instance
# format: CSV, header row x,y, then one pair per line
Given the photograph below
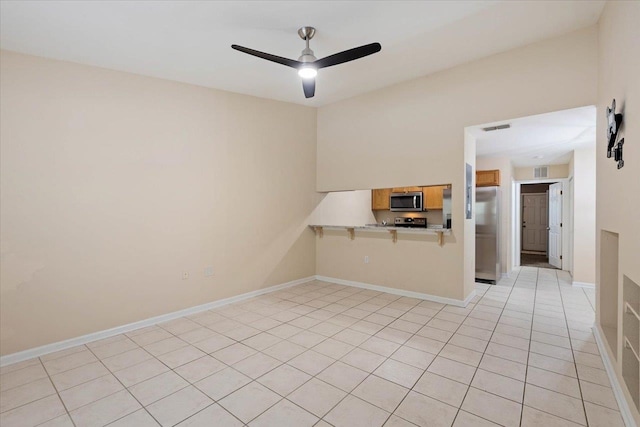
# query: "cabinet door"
x,y
433,196
405,189
487,178
380,199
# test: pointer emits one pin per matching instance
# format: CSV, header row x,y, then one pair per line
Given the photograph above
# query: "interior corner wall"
x,y
618,190
413,132
506,181
584,214
113,184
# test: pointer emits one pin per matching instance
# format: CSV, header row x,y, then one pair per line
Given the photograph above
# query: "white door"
x,y
534,222
555,225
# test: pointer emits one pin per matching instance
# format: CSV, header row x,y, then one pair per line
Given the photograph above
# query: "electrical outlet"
x,y
185,275
208,271
366,259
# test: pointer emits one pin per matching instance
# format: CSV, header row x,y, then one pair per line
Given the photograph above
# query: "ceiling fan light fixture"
x,y
307,64
307,72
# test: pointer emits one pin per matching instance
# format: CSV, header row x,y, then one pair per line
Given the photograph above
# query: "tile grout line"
x,y
64,405
526,369
386,359
485,349
110,372
573,357
436,356
125,389
56,393
554,391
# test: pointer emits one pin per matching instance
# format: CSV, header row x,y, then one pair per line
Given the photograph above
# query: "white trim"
x,y
61,345
394,291
623,405
586,285
517,239
516,224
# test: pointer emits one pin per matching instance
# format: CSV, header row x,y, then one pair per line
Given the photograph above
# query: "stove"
x,y
410,222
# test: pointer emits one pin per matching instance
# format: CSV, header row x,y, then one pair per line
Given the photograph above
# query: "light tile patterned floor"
x,y
522,353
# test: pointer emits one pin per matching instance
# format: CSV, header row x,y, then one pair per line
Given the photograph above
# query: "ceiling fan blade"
x,y
309,87
273,58
348,55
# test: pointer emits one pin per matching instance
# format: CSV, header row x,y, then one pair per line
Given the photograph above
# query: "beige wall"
x,y
414,131
113,184
506,180
405,265
618,190
555,171
584,214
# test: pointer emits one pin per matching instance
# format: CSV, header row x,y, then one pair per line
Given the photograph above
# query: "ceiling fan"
x,y
307,64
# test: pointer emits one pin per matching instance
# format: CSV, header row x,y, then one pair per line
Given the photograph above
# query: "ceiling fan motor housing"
x,y
307,56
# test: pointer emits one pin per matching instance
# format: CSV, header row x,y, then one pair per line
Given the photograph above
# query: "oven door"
x,y
406,202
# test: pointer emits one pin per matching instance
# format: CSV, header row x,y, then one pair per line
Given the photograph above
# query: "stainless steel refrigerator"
x,y
488,234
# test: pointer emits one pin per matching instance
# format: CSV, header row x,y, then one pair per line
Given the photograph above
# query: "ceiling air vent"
x,y
541,172
492,128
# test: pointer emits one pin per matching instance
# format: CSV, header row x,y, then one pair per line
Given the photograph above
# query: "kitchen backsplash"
x,y
434,217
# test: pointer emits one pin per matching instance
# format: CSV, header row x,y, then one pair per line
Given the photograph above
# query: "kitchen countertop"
x,y
382,228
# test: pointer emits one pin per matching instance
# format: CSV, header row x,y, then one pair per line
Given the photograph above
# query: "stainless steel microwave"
x,y
407,202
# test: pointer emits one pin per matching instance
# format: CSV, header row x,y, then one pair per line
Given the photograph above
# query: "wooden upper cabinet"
x,y
433,196
405,189
380,199
487,178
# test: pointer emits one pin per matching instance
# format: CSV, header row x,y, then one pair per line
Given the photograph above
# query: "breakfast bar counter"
x,y
351,229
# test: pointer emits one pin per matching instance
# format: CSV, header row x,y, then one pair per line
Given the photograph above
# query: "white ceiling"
x,y
189,41
553,136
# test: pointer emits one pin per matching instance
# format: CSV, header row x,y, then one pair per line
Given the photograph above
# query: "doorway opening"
x,y
534,227
541,154
542,215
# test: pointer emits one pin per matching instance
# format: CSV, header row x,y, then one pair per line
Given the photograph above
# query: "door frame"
x,y
546,250
516,230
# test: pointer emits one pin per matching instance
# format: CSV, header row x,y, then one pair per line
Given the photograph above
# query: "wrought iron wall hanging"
x,y
614,121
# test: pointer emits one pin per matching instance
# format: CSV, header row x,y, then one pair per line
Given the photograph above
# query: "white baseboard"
x,y
62,345
394,291
583,285
623,405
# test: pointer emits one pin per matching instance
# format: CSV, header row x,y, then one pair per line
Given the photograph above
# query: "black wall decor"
x,y
614,121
